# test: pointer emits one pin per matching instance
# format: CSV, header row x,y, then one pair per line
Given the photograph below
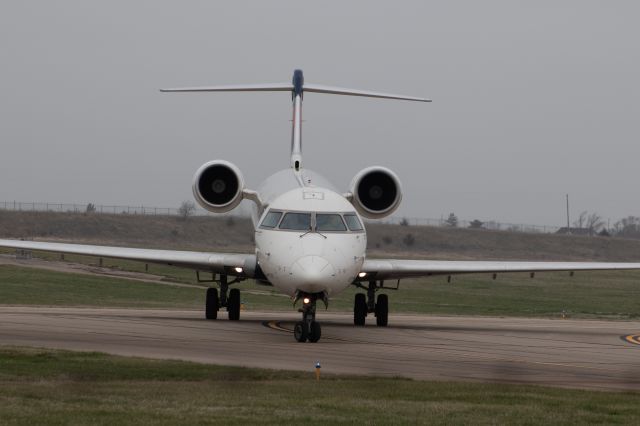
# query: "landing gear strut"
x,y
365,304
229,299
308,328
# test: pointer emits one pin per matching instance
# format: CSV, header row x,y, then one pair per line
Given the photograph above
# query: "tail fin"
x,y
297,87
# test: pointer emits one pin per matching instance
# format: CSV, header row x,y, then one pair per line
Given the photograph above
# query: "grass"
x,y
29,286
58,387
611,294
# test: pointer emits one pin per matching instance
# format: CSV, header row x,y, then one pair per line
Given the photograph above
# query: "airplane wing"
x,y
223,263
385,269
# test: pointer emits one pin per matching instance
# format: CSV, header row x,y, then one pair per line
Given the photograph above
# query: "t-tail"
x,y
297,87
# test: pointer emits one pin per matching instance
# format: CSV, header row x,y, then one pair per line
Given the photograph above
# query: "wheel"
x,y
211,304
300,332
382,310
315,333
359,309
233,304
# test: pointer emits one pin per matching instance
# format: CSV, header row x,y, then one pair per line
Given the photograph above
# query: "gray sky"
x,y
531,100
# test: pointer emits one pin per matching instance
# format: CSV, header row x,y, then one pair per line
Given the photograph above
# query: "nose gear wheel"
x,y
308,329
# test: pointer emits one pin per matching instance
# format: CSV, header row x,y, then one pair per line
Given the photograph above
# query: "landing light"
x,y
362,274
238,269
306,300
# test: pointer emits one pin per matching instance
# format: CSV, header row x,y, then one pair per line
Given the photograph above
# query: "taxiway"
x,y
568,353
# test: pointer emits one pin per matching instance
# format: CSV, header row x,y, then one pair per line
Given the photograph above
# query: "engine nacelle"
x,y
218,186
376,192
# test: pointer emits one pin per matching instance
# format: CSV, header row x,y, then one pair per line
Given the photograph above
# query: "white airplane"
x,y
310,241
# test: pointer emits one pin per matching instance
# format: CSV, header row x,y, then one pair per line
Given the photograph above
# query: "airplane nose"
x,y
312,273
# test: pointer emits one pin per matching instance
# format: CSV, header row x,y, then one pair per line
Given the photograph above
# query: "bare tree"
x,y
591,221
594,223
452,220
186,209
628,227
582,219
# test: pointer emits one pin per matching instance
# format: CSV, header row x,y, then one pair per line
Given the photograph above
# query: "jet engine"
x,y
376,192
218,186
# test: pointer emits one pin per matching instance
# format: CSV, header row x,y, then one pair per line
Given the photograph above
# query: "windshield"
x,y
353,222
329,222
271,219
312,222
296,221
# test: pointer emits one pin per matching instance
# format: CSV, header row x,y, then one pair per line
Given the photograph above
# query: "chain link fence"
x,y
472,224
95,208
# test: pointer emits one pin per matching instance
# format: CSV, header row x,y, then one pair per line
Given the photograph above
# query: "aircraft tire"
x,y
316,332
234,304
211,304
359,309
300,332
382,310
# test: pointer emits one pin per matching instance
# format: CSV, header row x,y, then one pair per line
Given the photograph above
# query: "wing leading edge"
x,y
398,268
203,261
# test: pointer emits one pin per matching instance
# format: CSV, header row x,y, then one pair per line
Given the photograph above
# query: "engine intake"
x,y
218,186
376,191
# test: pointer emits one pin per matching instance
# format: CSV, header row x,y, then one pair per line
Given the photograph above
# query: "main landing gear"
x,y
365,304
229,299
308,329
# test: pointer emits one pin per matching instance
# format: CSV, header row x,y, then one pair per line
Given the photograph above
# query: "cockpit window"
x,y
296,221
329,222
271,219
353,222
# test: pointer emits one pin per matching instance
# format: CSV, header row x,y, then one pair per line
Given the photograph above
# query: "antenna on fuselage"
x,y
297,87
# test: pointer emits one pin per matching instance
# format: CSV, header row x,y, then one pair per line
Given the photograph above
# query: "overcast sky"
x,y
531,100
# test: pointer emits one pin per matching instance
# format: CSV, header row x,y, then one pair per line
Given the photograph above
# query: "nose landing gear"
x,y
307,329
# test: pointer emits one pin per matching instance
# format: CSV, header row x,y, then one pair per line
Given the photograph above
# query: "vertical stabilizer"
x,y
296,131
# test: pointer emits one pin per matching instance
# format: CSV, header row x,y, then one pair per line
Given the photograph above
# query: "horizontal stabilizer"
x,y
268,87
286,87
316,88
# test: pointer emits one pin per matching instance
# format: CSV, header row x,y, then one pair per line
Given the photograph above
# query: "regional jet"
x,y
310,240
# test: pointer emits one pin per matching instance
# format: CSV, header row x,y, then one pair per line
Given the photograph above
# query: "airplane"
x,y
310,239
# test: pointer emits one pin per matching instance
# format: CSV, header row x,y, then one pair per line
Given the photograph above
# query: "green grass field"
x,y
588,294
57,387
